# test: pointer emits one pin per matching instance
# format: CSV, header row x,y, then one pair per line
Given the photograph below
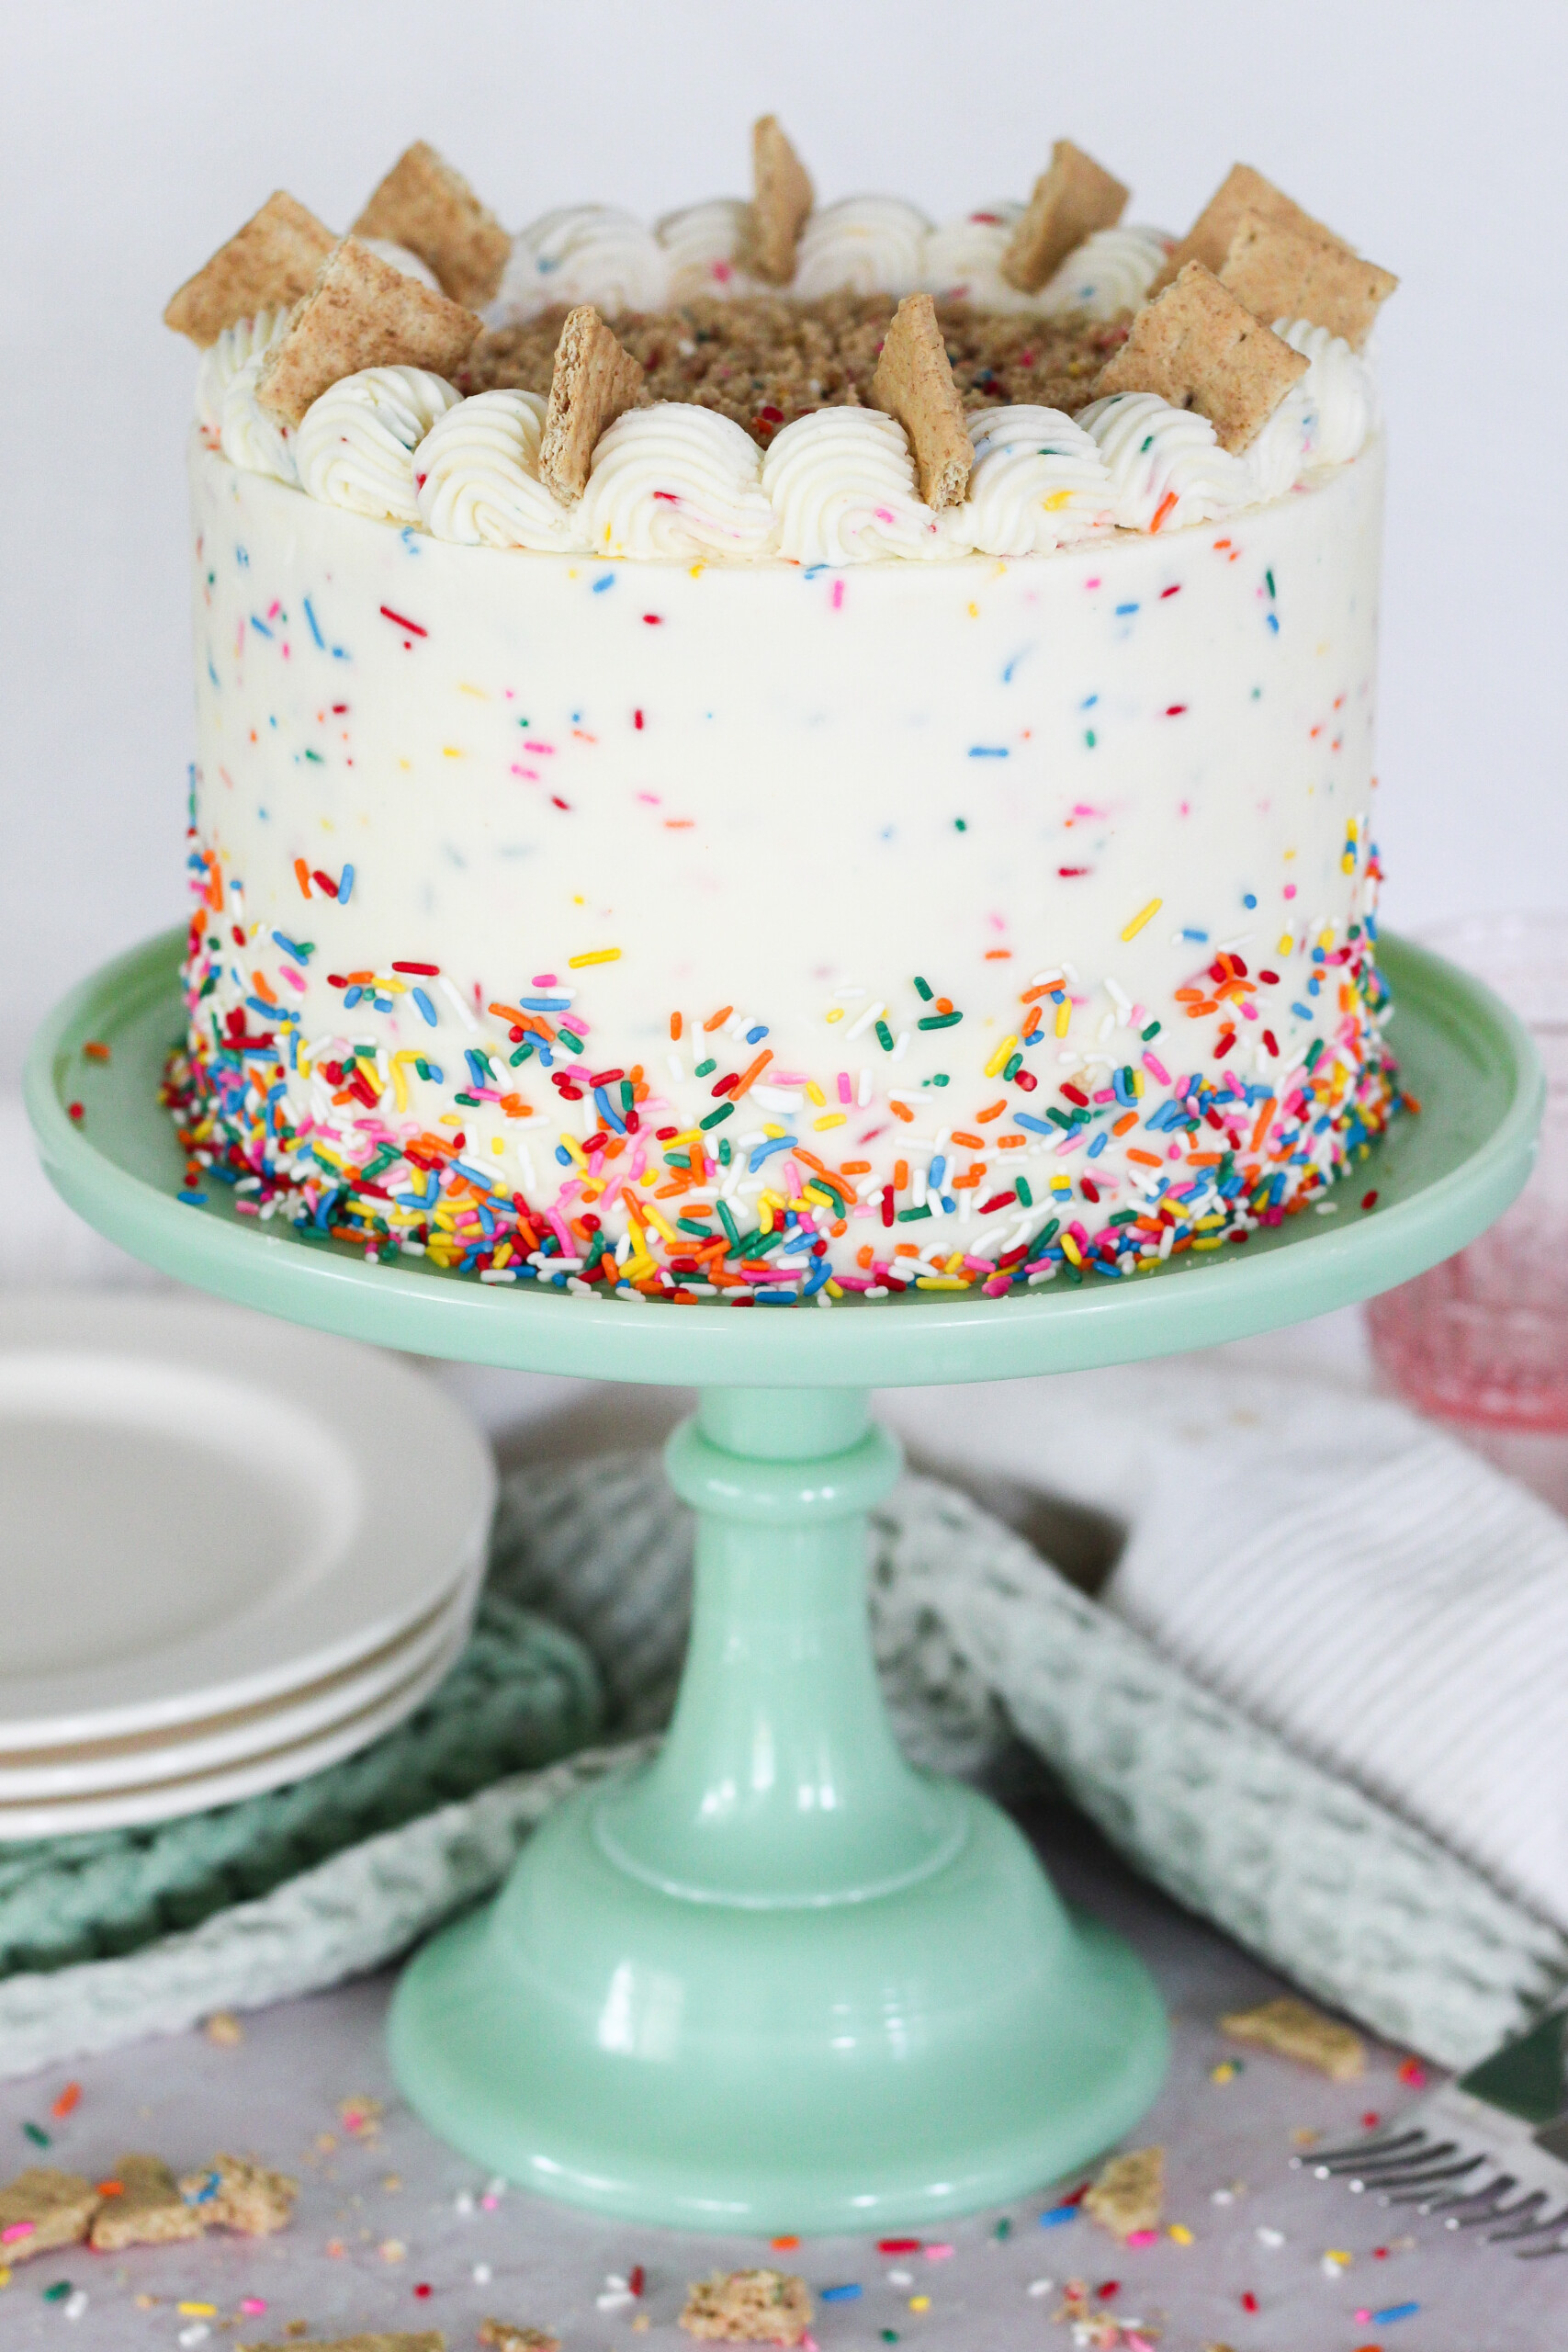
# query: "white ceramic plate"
x,y
205,1510
93,1766
167,1799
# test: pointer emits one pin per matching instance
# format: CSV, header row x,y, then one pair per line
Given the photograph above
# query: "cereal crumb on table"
x,y
1129,2193
428,2339
1295,2029
502,2337
748,2307
142,2206
237,2195
42,2209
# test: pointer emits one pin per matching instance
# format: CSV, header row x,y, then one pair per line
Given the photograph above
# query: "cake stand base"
x,y
887,2063
777,1980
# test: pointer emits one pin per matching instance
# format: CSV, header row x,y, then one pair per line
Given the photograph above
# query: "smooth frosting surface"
x,y
774,930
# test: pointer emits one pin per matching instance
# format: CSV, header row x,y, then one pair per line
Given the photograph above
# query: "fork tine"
x,y
1530,2229
1324,2162
1418,2190
1488,2197
1401,2172
1514,2212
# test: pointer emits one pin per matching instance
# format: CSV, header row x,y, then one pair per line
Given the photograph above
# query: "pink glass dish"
x,y
1483,1338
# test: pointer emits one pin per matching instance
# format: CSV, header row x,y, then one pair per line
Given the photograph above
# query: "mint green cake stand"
x,y
777,1980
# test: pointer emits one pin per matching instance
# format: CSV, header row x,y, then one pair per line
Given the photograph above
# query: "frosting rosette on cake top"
x,y
357,444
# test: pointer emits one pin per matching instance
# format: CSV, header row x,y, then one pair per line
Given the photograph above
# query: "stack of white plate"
x,y
232,1552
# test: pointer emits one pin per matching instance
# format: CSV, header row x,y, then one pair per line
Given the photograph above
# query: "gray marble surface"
x,y
387,2211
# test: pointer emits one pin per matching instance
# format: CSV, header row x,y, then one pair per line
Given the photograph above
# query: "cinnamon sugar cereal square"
x,y
1295,2029
782,199
1072,198
748,2307
269,262
914,383
593,381
360,312
1129,2193
1198,347
1209,238
426,205
42,2209
149,2208
1284,273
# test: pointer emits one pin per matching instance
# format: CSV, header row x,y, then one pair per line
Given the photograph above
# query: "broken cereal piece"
x,y
1071,201
360,312
234,2194
1284,273
224,2028
424,204
1200,348
748,2307
914,383
149,2211
1209,238
1295,2029
266,265
42,2209
783,198
594,383
500,2335
427,2339
1128,2192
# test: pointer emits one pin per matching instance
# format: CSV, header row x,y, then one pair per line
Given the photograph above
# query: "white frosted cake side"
x,y
766,930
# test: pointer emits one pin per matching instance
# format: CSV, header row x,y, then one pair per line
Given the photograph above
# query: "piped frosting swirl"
x,y
355,445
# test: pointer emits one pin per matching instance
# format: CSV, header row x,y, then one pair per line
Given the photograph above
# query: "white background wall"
x,y
133,138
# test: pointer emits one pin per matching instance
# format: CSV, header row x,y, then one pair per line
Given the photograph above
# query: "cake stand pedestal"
x,y
776,1979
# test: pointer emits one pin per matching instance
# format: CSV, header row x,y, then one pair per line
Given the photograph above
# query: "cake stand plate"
x,y
777,1980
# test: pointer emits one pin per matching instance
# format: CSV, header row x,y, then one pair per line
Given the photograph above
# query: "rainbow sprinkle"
x,y
1109,1171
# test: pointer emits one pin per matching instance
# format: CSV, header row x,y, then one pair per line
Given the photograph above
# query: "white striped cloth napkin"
x,y
1357,1583
1389,1606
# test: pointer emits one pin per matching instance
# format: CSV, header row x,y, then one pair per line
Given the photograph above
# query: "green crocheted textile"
x,y
522,1693
980,1644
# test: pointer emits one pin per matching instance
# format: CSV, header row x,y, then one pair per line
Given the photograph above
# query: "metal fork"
x,y
1488,2152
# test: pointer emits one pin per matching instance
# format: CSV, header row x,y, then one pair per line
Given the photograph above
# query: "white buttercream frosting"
x,y
866,244
582,252
1165,465
702,244
247,435
1341,391
963,260
401,258
223,360
842,486
1039,483
355,445
676,481
1111,272
477,476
